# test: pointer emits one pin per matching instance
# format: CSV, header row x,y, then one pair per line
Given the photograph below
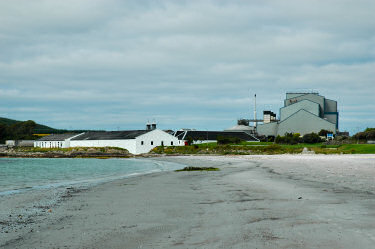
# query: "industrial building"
x,y
135,141
302,113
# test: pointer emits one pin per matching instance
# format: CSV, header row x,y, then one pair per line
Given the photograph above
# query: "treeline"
x,y
296,138
17,131
368,134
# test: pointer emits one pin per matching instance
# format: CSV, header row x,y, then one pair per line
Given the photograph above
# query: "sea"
x,y
25,174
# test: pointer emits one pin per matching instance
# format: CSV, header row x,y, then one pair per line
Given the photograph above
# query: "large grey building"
x,y
303,113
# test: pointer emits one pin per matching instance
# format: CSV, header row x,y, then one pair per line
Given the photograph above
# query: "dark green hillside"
x,y
11,129
38,128
7,121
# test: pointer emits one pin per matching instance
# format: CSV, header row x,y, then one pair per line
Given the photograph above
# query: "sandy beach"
x,y
283,201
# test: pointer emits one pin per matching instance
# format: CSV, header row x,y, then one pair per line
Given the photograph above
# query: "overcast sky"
x,y
86,64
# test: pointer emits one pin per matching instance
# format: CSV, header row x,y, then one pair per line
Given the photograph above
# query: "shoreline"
x,y
253,201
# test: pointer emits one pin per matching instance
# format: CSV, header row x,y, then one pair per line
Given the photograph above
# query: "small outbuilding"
x,y
56,140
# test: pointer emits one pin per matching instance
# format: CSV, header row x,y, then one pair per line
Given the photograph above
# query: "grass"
x,y
227,150
359,148
346,149
191,168
266,149
256,143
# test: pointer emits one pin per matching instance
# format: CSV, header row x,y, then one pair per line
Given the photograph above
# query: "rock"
x,y
307,151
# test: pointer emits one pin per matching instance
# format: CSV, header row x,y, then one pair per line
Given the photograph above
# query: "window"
x,y
141,142
162,143
152,142
171,142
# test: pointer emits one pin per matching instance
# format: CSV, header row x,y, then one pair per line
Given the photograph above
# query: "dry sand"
x,y
287,201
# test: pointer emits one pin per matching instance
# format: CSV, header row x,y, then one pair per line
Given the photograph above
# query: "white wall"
x,y
139,145
202,141
157,137
49,144
128,144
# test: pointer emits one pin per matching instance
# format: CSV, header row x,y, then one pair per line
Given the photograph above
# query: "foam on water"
x,y
22,174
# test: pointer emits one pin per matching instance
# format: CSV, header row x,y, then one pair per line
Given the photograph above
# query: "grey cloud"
x,y
189,63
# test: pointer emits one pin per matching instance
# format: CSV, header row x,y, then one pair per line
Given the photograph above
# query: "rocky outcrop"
x,y
106,152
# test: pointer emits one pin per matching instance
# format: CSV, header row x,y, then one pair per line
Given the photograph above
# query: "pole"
x,y
207,140
255,110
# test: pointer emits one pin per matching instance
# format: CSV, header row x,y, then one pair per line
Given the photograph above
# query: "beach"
x,y
281,201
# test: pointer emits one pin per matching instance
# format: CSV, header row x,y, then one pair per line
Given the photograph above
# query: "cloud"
x,y
91,64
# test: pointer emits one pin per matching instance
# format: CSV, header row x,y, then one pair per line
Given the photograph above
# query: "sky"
x,y
115,65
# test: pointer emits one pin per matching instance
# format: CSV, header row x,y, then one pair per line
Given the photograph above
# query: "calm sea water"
x,y
19,174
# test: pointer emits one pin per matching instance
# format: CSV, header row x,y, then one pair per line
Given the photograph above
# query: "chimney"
x,y
153,126
148,126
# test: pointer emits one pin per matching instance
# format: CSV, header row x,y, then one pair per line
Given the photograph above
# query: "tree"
x,y
3,133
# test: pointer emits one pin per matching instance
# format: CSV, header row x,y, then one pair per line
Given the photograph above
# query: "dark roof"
x,y
212,135
111,135
58,137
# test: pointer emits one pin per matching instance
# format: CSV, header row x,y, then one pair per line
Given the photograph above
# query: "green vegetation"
x,y
290,138
345,149
38,128
11,129
256,143
20,130
265,149
190,168
368,134
228,140
232,149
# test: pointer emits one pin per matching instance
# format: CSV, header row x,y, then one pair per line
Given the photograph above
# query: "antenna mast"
x,y
255,110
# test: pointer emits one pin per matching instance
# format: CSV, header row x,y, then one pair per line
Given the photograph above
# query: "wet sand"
x,y
283,201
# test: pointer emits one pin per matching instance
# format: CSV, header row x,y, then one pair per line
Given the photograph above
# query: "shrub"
x,y
228,140
311,138
324,133
289,138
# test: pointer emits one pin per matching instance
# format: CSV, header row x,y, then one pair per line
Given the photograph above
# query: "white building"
x,y
56,140
135,141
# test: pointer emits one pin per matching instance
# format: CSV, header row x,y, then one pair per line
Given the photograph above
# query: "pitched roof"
x,y
58,137
111,135
212,135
